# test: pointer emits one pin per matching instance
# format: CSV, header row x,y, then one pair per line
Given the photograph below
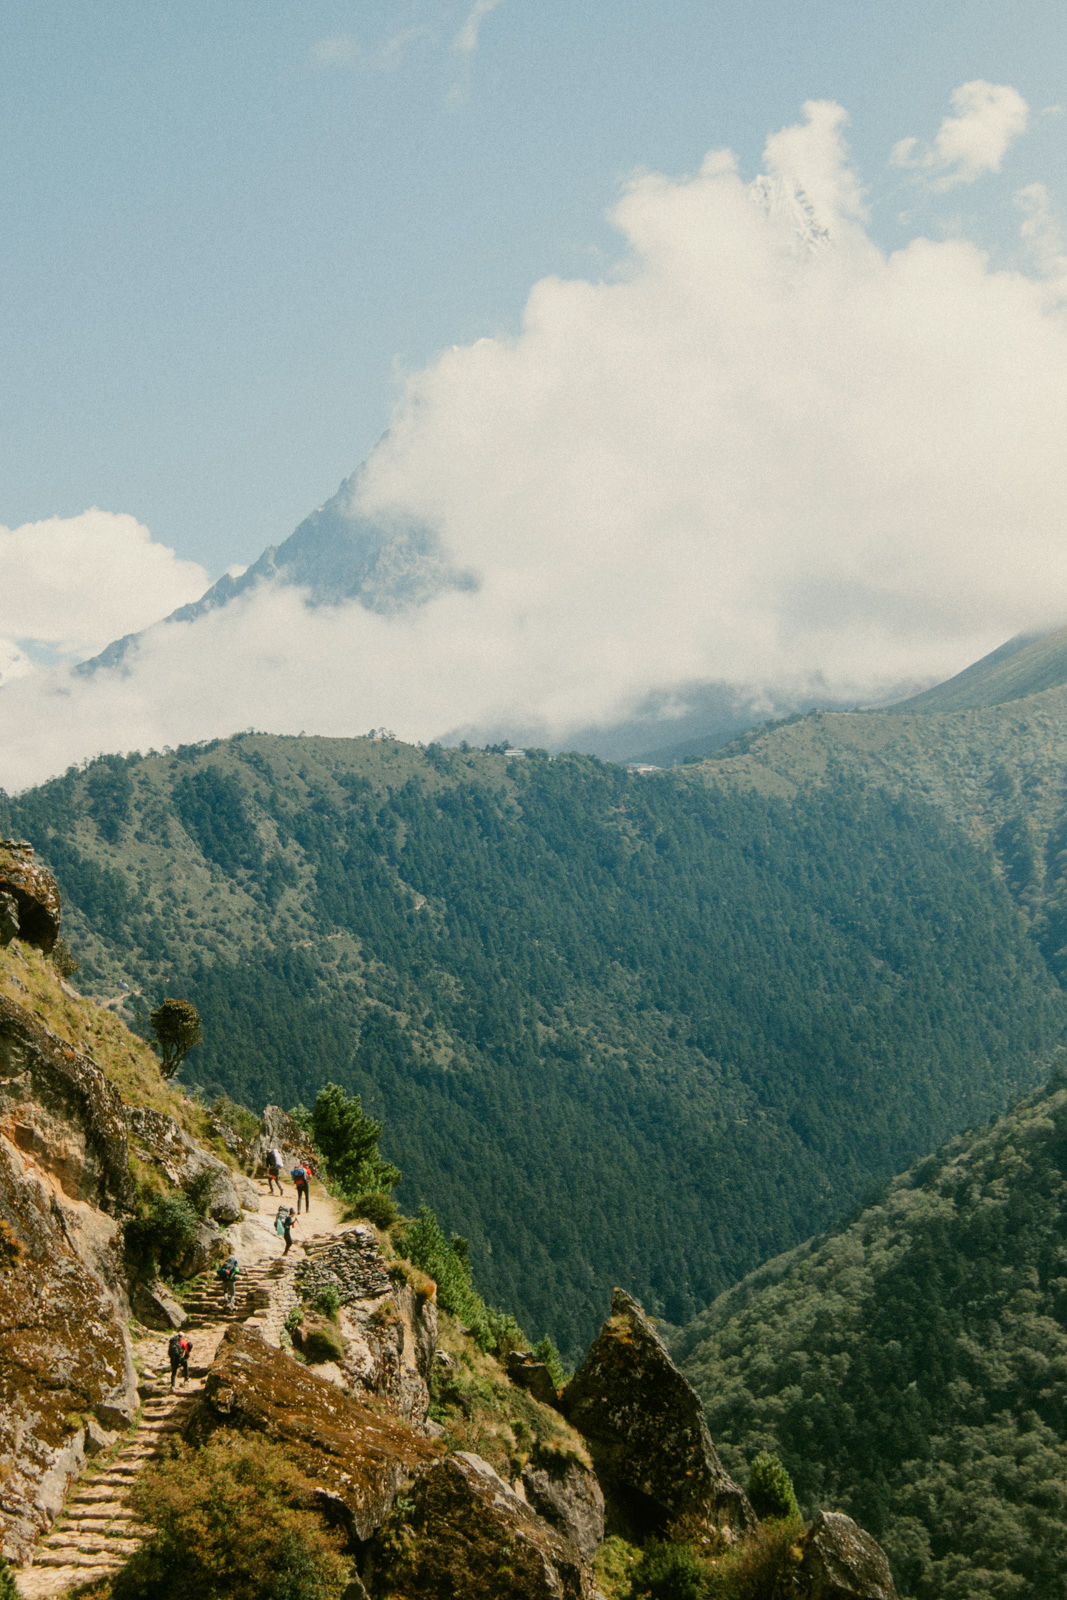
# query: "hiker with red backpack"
x,y
301,1176
178,1350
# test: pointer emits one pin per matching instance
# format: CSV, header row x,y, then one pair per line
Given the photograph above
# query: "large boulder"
x,y
29,897
66,1357
357,1458
162,1141
156,1307
841,1562
646,1432
460,1533
524,1370
565,1492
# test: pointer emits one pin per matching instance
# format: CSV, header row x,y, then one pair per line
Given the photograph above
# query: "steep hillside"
x,y
913,1365
1026,665
632,1030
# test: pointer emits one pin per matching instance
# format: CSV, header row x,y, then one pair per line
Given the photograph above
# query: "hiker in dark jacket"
x,y
289,1223
228,1273
274,1171
179,1349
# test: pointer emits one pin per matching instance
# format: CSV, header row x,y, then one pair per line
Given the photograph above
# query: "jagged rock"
x,y
164,1142
646,1432
524,1369
462,1534
356,1457
841,1562
279,1132
390,1329
208,1246
567,1495
33,893
156,1307
65,1348
98,1439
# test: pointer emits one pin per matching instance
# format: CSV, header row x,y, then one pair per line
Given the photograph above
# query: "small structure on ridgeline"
x,y
29,898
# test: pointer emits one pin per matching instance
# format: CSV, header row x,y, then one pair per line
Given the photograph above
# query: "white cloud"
x,y
762,452
988,118
69,585
1040,230
466,40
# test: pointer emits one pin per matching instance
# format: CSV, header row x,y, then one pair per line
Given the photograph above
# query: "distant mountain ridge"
x,y
336,554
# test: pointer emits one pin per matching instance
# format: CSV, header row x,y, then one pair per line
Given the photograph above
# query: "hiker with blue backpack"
x,y
301,1176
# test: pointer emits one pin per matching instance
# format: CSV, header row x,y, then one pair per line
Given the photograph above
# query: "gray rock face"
x,y
567,1495
462,1534
279,1132
390,1331
646,1432
162,1141
156,1307
31,909
841,1562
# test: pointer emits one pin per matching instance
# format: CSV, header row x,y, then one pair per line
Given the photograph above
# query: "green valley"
x,y
623,1029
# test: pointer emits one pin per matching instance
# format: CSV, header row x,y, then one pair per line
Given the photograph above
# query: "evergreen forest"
x,y
638,1029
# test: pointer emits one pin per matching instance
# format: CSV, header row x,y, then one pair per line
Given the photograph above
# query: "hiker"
x,y
301,1177
228,1274
178,1350
274,1171
289,1223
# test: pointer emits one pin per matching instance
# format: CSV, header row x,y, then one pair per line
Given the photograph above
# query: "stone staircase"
x,y
205,1303
98,1528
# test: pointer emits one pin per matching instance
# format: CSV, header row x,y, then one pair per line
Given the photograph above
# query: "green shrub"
x,y
66,964
327,1301
770,1489
758,1569
8,1590
244,1123
176,1025
375,1207
161,1235
546,1351
668,1572
320,1341
230,1524
294,1319
198,1189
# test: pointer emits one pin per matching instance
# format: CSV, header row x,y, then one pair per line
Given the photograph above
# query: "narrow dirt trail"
x,y
98,1529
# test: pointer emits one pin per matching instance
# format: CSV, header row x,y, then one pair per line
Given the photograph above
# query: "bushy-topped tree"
x,y
176,1025
348,1139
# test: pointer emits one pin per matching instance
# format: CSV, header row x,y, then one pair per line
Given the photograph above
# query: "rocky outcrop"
x,y
29,897
566,1494
161,1141
156,1307
279,1132
524,1369
645,1428
356,1457
389,1328
57,1107
66,1356
462,1534
841,1562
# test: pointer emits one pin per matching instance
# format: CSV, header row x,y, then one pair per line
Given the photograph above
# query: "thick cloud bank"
x,y
764,452
69,585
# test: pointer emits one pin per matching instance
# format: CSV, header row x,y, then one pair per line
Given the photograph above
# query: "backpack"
x,y
274,1159
228,1270
279,1222
299,1174
177,1347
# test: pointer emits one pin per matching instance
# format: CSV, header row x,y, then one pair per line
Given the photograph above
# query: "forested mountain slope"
x,y
912,1367
631,1030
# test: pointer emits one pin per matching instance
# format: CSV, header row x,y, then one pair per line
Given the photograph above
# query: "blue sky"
x,y
228,231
